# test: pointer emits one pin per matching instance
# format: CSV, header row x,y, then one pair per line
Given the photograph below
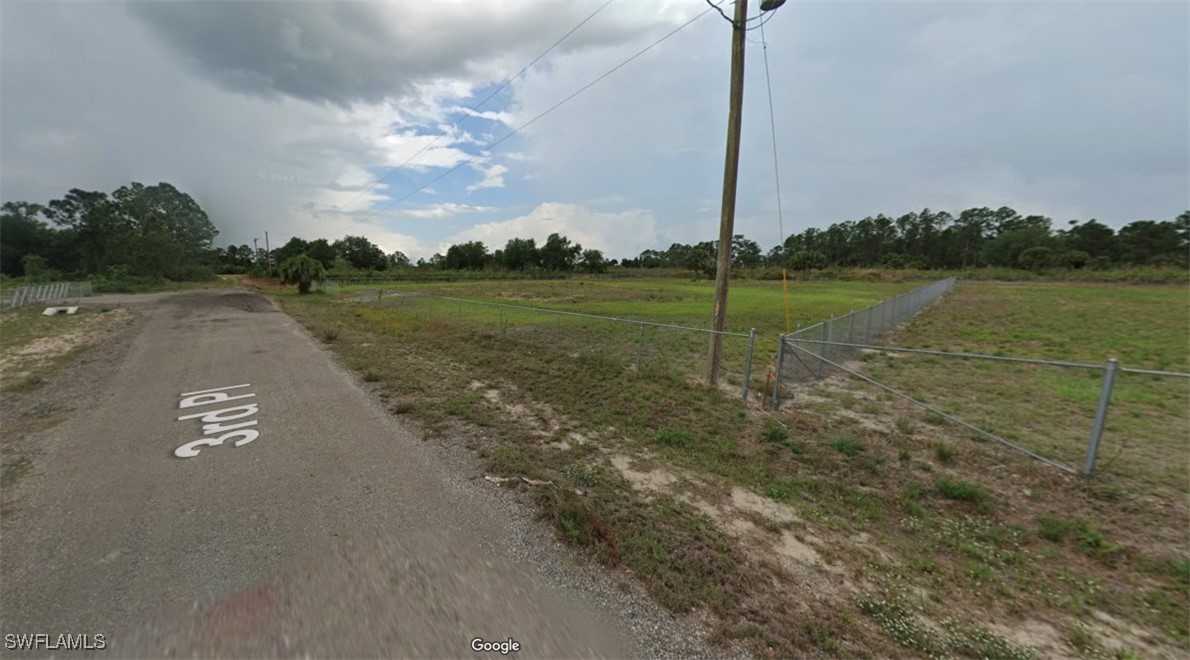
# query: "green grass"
x,y
1050,410
834,471
962,491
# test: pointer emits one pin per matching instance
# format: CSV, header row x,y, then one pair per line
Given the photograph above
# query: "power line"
x,y
476,107
773,129
492,145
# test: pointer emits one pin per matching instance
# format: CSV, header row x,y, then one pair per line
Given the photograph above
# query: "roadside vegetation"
x,y
847,524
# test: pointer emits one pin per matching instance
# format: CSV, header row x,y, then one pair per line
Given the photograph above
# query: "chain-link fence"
x,y
864,326
633,344
1054,411
29,294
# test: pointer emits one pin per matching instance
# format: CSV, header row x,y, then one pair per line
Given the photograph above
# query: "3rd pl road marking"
x,y
222,421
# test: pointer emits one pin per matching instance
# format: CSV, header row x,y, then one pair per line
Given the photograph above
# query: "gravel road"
x,y
335,532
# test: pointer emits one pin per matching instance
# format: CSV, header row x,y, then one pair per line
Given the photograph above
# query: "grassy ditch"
x,y
852,525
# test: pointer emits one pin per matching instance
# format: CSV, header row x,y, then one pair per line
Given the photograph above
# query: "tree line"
x,y
137,230
976,237
158,231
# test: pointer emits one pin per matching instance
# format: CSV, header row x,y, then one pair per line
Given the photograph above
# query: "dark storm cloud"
x,y
343,52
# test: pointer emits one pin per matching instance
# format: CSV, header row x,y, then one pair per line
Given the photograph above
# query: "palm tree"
x,y
303,271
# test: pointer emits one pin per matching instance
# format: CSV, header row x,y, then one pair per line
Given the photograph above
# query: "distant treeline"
x,y
929,240
978,237
161,232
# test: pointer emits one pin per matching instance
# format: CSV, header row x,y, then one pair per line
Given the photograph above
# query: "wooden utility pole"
x,y
268,254
731,169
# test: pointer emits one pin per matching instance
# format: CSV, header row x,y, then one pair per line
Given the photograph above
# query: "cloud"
x,y
624,233
346,52
493,176
444,210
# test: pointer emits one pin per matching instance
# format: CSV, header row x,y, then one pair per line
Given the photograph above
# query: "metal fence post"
x,y
851,327
1109,379
825,336
748,363
640,344
780,366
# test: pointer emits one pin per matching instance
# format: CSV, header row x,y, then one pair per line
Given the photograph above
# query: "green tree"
x,y
520,254
100,229
472,255
167,215
292,248
361,253
1035,258
22,232
593,262
323,251
1148,241
398,260
1092,237
559,254
1006,249
745,252
302,270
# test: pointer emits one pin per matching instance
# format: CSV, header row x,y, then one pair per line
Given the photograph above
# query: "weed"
x,y
372,376
903,426
778,492
904,455
963,491
403,407
1093,542
673,438
454,407
923,565
848,401
774,432
581,475
1080,638
1056,529
329,333
944,453
848,446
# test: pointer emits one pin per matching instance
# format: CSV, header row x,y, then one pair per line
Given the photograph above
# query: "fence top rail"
x,y
543,310
937,284
974,356
1154,372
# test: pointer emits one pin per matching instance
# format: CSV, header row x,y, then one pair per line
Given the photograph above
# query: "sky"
x,y
306,118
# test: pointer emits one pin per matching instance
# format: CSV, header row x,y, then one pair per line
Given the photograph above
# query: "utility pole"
x,y
268,255
255,252
731,169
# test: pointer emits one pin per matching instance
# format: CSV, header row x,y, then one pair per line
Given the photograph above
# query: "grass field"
x,y
856,525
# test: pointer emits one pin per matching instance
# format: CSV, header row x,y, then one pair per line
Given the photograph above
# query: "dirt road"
x,y
332,530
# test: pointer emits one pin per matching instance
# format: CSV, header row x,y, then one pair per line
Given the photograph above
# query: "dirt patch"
x,y
91,328
653,481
